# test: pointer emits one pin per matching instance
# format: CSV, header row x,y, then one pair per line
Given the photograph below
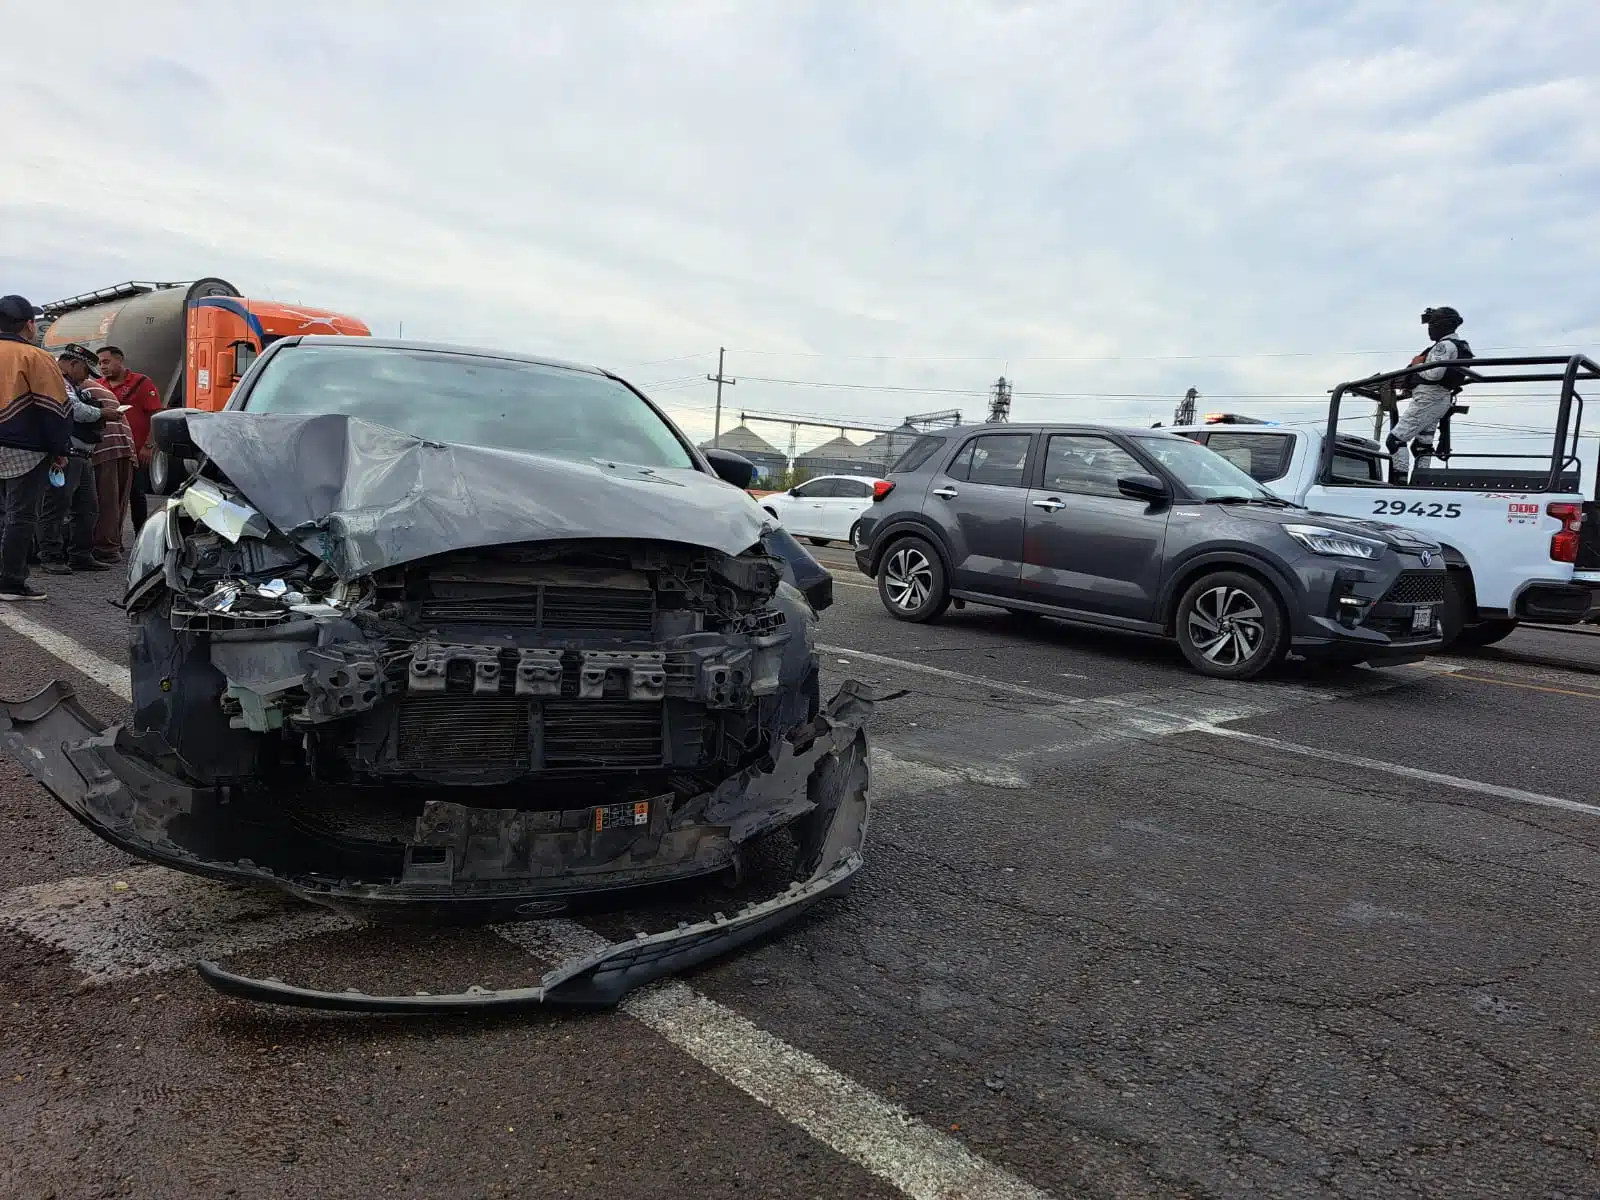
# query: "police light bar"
x,y
1233,419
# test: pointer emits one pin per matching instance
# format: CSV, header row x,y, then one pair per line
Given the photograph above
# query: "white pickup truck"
x,y
1521,544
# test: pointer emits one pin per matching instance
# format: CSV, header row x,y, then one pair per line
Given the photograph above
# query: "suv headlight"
x,y
1319,540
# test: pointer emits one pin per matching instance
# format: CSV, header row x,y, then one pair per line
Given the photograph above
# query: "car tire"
x,y
1231,626
911,581
855,536
1486,633
820,541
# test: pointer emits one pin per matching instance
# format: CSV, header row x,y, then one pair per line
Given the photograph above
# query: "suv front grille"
x,y
1416,587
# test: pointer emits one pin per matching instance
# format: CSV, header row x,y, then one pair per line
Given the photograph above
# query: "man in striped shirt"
x,y
114,461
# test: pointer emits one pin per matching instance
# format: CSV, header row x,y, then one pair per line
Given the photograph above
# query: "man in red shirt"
x,y
142,398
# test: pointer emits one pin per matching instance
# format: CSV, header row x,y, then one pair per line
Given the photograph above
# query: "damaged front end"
x,y
483,732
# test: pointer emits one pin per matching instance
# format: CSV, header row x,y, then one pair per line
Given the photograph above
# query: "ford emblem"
x,y
1427,558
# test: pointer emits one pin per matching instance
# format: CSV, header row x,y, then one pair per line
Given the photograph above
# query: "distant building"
x,y
840,456
883,450
742,440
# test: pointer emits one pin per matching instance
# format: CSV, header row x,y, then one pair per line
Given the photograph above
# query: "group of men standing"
x,y
74,453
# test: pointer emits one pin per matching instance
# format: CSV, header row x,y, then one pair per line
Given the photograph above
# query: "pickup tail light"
x,y
881,489
1564,545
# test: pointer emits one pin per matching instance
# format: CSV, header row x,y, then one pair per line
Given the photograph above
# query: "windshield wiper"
x,y
1269,501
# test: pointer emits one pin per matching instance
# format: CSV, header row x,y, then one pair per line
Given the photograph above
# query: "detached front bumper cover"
x,y
99,775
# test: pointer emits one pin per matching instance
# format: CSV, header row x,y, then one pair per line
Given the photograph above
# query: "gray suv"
x,y
1140,530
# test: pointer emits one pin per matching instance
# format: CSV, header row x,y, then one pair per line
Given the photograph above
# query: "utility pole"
x,y
719,379
1185,413
1000,401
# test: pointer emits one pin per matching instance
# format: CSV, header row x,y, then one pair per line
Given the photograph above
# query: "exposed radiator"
x,y
546,606
451,731
498,732
604,733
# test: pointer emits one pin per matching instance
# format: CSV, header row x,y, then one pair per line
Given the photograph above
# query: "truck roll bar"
x,y
1488,370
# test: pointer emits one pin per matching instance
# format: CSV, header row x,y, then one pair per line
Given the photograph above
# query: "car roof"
x,y
323,339
1052,427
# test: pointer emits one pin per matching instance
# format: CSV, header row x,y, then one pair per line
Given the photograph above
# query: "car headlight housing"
x,y
1320,540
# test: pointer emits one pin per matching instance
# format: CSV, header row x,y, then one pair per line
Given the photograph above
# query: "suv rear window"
x,y
1262,456
994,458
917,454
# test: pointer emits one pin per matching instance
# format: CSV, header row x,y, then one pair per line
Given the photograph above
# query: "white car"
x,y
824,509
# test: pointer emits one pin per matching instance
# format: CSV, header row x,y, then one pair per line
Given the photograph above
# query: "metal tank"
x,y
149,321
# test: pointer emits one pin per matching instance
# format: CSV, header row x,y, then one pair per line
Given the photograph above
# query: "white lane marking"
x,y
959,676
1405,772
102,670
149,919
165,920
875,1134
863,587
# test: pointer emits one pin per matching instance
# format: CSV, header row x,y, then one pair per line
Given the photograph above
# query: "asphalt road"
x,y
1124,932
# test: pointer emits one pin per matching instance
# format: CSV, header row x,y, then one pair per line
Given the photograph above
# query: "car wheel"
x,y
855,536
1231,626
820,541
911,581
1485,633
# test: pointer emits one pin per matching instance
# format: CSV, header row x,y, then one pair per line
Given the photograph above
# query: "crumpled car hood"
x,y
362,497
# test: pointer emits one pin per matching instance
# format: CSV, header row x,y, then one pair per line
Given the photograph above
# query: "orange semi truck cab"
x,y
194,340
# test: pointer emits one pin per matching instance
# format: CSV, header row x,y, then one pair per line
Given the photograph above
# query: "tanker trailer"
x,y
194,340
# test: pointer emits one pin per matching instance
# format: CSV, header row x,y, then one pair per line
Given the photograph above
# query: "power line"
x,y
1109,357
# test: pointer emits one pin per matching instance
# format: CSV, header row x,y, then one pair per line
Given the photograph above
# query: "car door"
x,y
801,508
1088,547
979,499
852,498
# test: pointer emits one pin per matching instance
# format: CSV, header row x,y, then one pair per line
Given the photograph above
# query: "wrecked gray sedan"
x,y
440,634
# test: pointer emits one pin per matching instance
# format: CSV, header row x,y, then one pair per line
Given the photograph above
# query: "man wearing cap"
x,y
35,430
113,461
1432,395
68,515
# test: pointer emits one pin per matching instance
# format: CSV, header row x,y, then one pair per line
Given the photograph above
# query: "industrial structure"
x,y
1000,401
839,455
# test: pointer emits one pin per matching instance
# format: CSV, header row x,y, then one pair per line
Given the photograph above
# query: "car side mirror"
x,y
1143,487
169,429
731,467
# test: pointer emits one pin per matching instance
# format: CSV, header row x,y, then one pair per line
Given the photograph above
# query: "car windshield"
x,y
1205,473
474,400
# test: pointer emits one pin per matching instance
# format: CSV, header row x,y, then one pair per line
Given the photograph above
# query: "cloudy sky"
x,y
887,203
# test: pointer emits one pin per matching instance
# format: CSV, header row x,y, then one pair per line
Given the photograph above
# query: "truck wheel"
x,y
1457,605
1231,626
911,581
160,473
1485,633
